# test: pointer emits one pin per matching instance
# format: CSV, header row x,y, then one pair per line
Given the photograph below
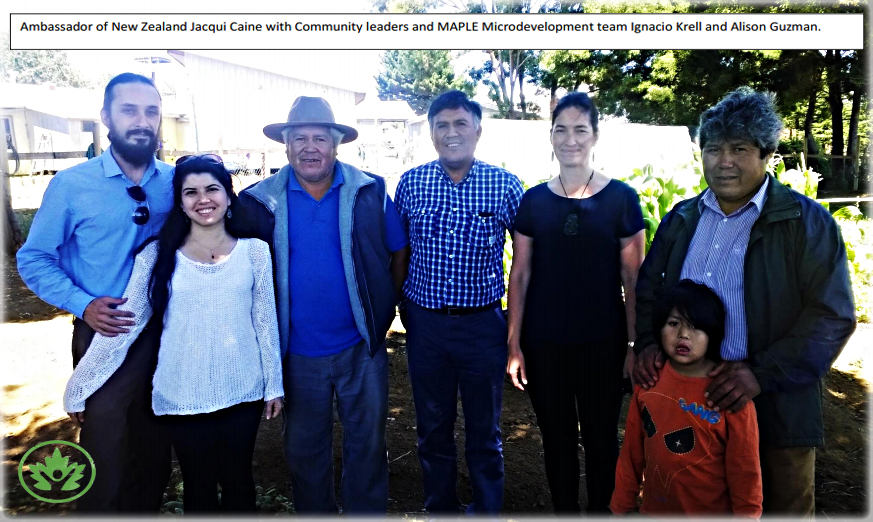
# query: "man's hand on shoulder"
x,y
648,363
102,316
733,386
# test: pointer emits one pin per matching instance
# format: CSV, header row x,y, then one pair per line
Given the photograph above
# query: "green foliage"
x,y
636,6
417,77
401,6
659,192
270,501
503,72
507,251
25,220
38,67
568,69
858,236
803,180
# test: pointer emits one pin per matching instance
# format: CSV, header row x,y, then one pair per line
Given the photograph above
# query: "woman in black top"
x,y
578,241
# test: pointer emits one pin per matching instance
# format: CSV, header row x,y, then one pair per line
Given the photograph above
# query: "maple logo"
x,y
58,478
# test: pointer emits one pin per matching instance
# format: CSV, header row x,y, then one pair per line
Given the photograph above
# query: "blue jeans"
x,y
448,354
360,385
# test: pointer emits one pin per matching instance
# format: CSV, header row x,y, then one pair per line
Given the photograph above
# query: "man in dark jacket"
x,y
778,262
339,261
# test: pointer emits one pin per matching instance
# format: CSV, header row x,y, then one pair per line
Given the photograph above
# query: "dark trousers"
x,y
575,387
448,354
216,448
130,448
358,385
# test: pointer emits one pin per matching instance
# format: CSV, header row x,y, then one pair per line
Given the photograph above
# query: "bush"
x,y
25,220
858,236
660,193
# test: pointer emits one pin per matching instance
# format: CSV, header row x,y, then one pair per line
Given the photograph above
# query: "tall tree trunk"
x,y
521,99
498,67
553,98
811,144
10,235
835,101
512,76
851,169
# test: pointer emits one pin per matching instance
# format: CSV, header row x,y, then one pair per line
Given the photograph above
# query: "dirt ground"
x,y
36,364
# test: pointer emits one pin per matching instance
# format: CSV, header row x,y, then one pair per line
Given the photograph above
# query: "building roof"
x,y
341,70
66,102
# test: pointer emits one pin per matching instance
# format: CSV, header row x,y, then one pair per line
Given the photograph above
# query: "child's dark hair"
x,y
699,305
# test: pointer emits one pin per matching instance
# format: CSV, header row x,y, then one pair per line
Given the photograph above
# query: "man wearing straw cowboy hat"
x,y
339,261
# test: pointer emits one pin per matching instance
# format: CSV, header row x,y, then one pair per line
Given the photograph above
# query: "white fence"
x,y
523,147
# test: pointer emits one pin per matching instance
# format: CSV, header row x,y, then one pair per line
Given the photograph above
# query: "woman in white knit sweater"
x,y
219,356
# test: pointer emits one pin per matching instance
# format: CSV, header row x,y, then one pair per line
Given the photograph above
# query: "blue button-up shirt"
x,y
82,239
716,258
456,233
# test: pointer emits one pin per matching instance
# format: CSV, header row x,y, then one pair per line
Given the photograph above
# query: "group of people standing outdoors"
x,y
199,311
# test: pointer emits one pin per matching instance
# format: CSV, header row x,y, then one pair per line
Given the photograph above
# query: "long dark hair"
x,y
178,226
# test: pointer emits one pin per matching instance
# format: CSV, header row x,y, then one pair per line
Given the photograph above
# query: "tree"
x,y
38,67
565,69
506,69
417,6
417,77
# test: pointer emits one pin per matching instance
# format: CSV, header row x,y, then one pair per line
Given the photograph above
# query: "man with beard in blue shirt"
x,y
79,257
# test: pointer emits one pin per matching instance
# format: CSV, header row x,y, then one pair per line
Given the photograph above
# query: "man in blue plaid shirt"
x,y
457,211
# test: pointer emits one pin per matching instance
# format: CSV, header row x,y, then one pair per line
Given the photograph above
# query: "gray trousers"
x,y
130,448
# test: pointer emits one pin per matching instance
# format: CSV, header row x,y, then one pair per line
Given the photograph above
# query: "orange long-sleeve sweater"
x,y
693,460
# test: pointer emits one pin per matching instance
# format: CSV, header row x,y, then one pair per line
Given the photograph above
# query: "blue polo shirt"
x,y
322,322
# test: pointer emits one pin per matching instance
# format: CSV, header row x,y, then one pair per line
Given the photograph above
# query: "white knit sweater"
x,y
220,343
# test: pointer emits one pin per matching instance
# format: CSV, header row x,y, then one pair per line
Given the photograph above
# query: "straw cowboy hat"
x,y
308,110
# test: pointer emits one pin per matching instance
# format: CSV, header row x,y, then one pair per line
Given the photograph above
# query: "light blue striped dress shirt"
x,y
716,258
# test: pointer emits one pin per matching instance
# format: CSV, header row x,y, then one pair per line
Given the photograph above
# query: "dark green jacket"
x,y
798,298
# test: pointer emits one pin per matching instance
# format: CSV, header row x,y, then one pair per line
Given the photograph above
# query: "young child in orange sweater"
x,y
690,459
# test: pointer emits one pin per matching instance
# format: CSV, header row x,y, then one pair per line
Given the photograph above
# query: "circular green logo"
x,y
57,470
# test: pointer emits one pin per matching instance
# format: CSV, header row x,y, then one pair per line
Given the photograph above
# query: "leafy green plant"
x,y
507,249
858,236
659,191
25,220
803,180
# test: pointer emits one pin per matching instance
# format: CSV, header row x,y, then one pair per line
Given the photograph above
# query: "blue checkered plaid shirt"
x,y
457,233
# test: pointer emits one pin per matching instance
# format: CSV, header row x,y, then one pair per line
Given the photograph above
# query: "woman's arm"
x,y
105,354
519,278
264,320
631,254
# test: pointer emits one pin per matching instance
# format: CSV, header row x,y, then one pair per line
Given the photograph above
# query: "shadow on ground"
x,y
841,467
20,304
